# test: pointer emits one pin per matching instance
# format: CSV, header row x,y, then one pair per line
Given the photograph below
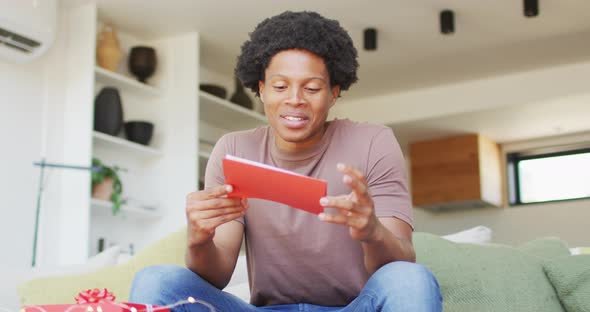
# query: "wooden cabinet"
x,y
456,172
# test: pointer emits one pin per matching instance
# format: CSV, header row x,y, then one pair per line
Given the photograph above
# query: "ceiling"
x,y
504,124
491,37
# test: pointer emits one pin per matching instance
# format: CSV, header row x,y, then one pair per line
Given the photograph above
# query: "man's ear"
x,y
260,89
335,92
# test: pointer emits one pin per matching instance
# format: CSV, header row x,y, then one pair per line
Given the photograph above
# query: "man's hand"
x,y
356,210
208,209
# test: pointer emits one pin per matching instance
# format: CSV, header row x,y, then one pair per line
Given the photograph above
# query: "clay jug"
x,y
108,50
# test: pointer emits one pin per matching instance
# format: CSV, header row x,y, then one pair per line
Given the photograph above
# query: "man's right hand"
x,y
208,209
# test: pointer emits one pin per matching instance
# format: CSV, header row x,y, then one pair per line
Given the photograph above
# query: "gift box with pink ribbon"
x,y
102,300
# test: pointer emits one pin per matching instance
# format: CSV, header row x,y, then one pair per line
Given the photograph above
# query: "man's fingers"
x,y
214,192
334,218
346,169
214,204
353,221
357,186
356,181
213,213
340,202
359,189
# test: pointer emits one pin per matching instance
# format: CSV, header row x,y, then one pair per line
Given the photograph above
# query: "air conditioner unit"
x,y
27,28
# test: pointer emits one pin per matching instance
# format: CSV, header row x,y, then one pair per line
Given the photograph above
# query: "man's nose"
x,y
295,96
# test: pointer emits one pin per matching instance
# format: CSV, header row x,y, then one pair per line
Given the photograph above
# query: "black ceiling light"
x,y
531,8
370,36
447,22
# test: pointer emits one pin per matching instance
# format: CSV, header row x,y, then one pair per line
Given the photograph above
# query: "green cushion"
x,y
570,275
63,289
491,277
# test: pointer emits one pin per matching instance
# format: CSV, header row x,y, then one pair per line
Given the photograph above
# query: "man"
x,y
358,258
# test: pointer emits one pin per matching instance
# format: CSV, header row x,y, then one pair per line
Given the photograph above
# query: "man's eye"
x,y
313,89
280,88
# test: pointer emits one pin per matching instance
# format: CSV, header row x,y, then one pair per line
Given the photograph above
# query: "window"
x,y
536,177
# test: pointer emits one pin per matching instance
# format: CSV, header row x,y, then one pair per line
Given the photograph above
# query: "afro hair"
x,y
298,30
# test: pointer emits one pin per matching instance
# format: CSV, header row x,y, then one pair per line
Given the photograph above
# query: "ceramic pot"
x,y
142,62
240,97
108,111
103,190
108,50
139,131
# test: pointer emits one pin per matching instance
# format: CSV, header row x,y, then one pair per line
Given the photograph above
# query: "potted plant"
x,y
106,184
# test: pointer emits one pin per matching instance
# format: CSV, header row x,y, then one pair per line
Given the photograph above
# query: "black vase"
x,y
142,62
108,111
240,97
139,131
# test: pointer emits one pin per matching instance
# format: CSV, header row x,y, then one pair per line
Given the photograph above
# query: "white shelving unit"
x,y
158,173
104,208
107,77
102,140
227,115
161,173
204,154
224,116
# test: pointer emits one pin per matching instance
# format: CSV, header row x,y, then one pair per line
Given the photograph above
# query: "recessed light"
x,y
447,22
531,8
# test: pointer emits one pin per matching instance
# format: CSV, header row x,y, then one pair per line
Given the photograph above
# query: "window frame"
x,y
512,172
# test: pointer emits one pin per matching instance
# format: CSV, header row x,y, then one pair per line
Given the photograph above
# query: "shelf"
x,y
205,155
227,115
105,140
102,207
109,78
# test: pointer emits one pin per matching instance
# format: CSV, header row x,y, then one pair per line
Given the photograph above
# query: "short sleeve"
x,y
387,178
214,172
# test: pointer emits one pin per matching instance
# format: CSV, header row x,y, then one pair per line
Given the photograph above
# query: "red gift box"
x,y
95,307
95,300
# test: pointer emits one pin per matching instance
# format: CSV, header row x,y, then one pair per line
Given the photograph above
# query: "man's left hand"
x,y
356,210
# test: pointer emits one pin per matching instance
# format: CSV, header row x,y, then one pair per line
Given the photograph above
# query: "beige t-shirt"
x,y
292,256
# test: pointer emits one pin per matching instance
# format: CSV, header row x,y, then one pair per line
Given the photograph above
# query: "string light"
x,y
148,307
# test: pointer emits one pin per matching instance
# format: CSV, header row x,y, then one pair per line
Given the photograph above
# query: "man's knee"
x,y
161,275
405,286
402,276
155,279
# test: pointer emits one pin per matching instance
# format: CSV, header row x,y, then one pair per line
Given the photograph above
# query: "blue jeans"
x,y
397,286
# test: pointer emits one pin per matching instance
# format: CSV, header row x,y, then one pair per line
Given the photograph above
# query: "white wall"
x,y
515,225
71,104
520,88
21,103
179,123
35,114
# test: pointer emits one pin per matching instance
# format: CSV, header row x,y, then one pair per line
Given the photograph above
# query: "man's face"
x,y
297,97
